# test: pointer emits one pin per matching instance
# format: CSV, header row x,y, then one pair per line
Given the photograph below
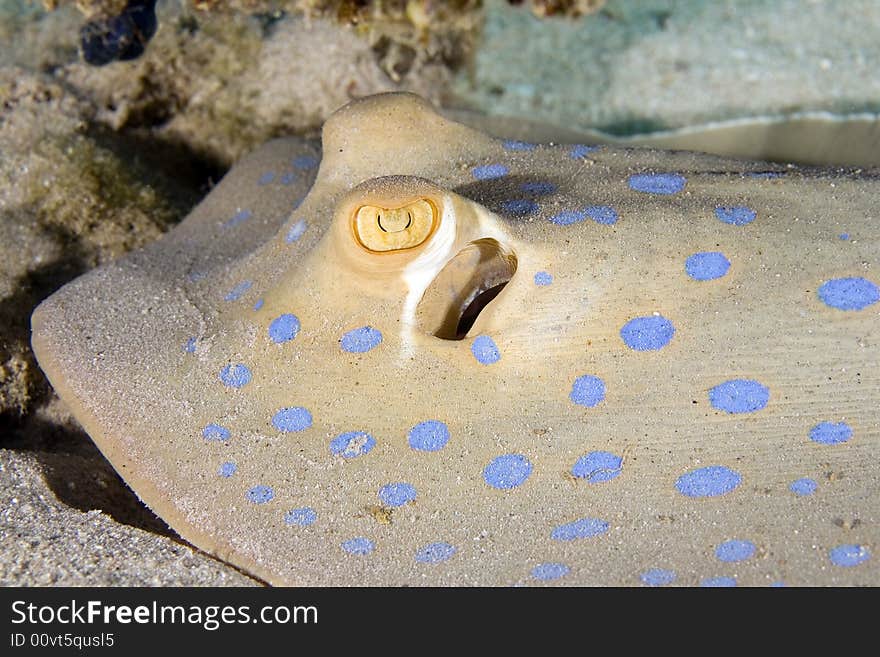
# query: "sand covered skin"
x,y
668,330
188,90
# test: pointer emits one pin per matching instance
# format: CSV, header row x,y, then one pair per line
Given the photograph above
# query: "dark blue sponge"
x,y
119,38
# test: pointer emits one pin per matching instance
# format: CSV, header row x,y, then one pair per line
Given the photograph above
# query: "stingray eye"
x,y
395,229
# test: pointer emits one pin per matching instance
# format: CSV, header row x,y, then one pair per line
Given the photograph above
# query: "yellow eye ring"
x,y
383,229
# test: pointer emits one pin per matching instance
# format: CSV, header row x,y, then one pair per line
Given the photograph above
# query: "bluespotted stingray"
x,y
418,355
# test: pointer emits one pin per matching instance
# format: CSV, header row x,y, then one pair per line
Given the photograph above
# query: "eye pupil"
x,y
392,228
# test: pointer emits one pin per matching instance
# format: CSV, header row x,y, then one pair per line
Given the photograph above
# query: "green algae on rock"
x,y
69,203
220,83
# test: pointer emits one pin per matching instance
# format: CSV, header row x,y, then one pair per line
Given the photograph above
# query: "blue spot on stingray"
x,y
647,333
657,183
583,528
710,481
587,390
359,546
215,432
489,171
266,178
292,419
568,217
735,550
657,577
260,494
190,346
550,571
296,231
520,207
302,517
706,266
739,396
737,215
352,443
580,150
238,291
849,293
602,214
805,486
287,178
485,350
849,555
829,433
435,553
543,278
777,585
360,340
227,469
235,376
766,174
597,467
239,217
538,187
844,236
305,162
514,145
507,471
718,582
397,494
258,304
429,436
283,328
196,276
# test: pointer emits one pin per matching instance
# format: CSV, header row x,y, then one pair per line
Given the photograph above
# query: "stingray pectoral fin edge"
x,y
150,494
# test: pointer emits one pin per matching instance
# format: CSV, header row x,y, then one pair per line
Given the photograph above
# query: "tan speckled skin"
x,y
112,345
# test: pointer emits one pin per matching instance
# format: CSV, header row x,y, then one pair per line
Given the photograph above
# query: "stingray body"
x,y
429,357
